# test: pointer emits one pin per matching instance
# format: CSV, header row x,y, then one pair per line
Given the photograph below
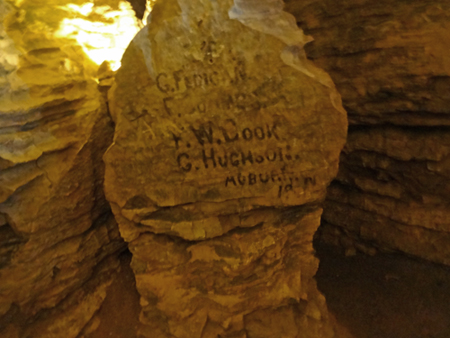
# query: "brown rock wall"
x,y
390,63
387,59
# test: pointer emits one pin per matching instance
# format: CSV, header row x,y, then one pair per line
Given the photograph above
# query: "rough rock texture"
x,y
55,224
390,63
226,139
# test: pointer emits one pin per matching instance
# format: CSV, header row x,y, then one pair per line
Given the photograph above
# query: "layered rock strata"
x,y
226,139
390,63
56,227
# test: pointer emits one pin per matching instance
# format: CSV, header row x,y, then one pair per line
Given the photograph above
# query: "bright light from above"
x,y
104,40
84,10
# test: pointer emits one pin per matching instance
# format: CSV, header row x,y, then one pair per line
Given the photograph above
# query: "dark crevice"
x,y
10,242
138,7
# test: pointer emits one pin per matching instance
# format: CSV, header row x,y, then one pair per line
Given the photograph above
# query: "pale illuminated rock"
x,y
103,29
224,132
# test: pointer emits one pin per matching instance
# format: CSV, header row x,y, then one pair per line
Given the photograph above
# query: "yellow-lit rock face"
x,y
224,132
55,225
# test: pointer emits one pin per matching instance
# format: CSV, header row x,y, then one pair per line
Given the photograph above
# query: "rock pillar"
x,y
226,139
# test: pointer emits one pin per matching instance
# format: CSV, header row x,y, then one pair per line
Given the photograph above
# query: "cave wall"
x,y
389,60
58,238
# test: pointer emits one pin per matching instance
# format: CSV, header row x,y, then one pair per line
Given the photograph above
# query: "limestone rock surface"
x,y
390,63
226,139
55,224
233,121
